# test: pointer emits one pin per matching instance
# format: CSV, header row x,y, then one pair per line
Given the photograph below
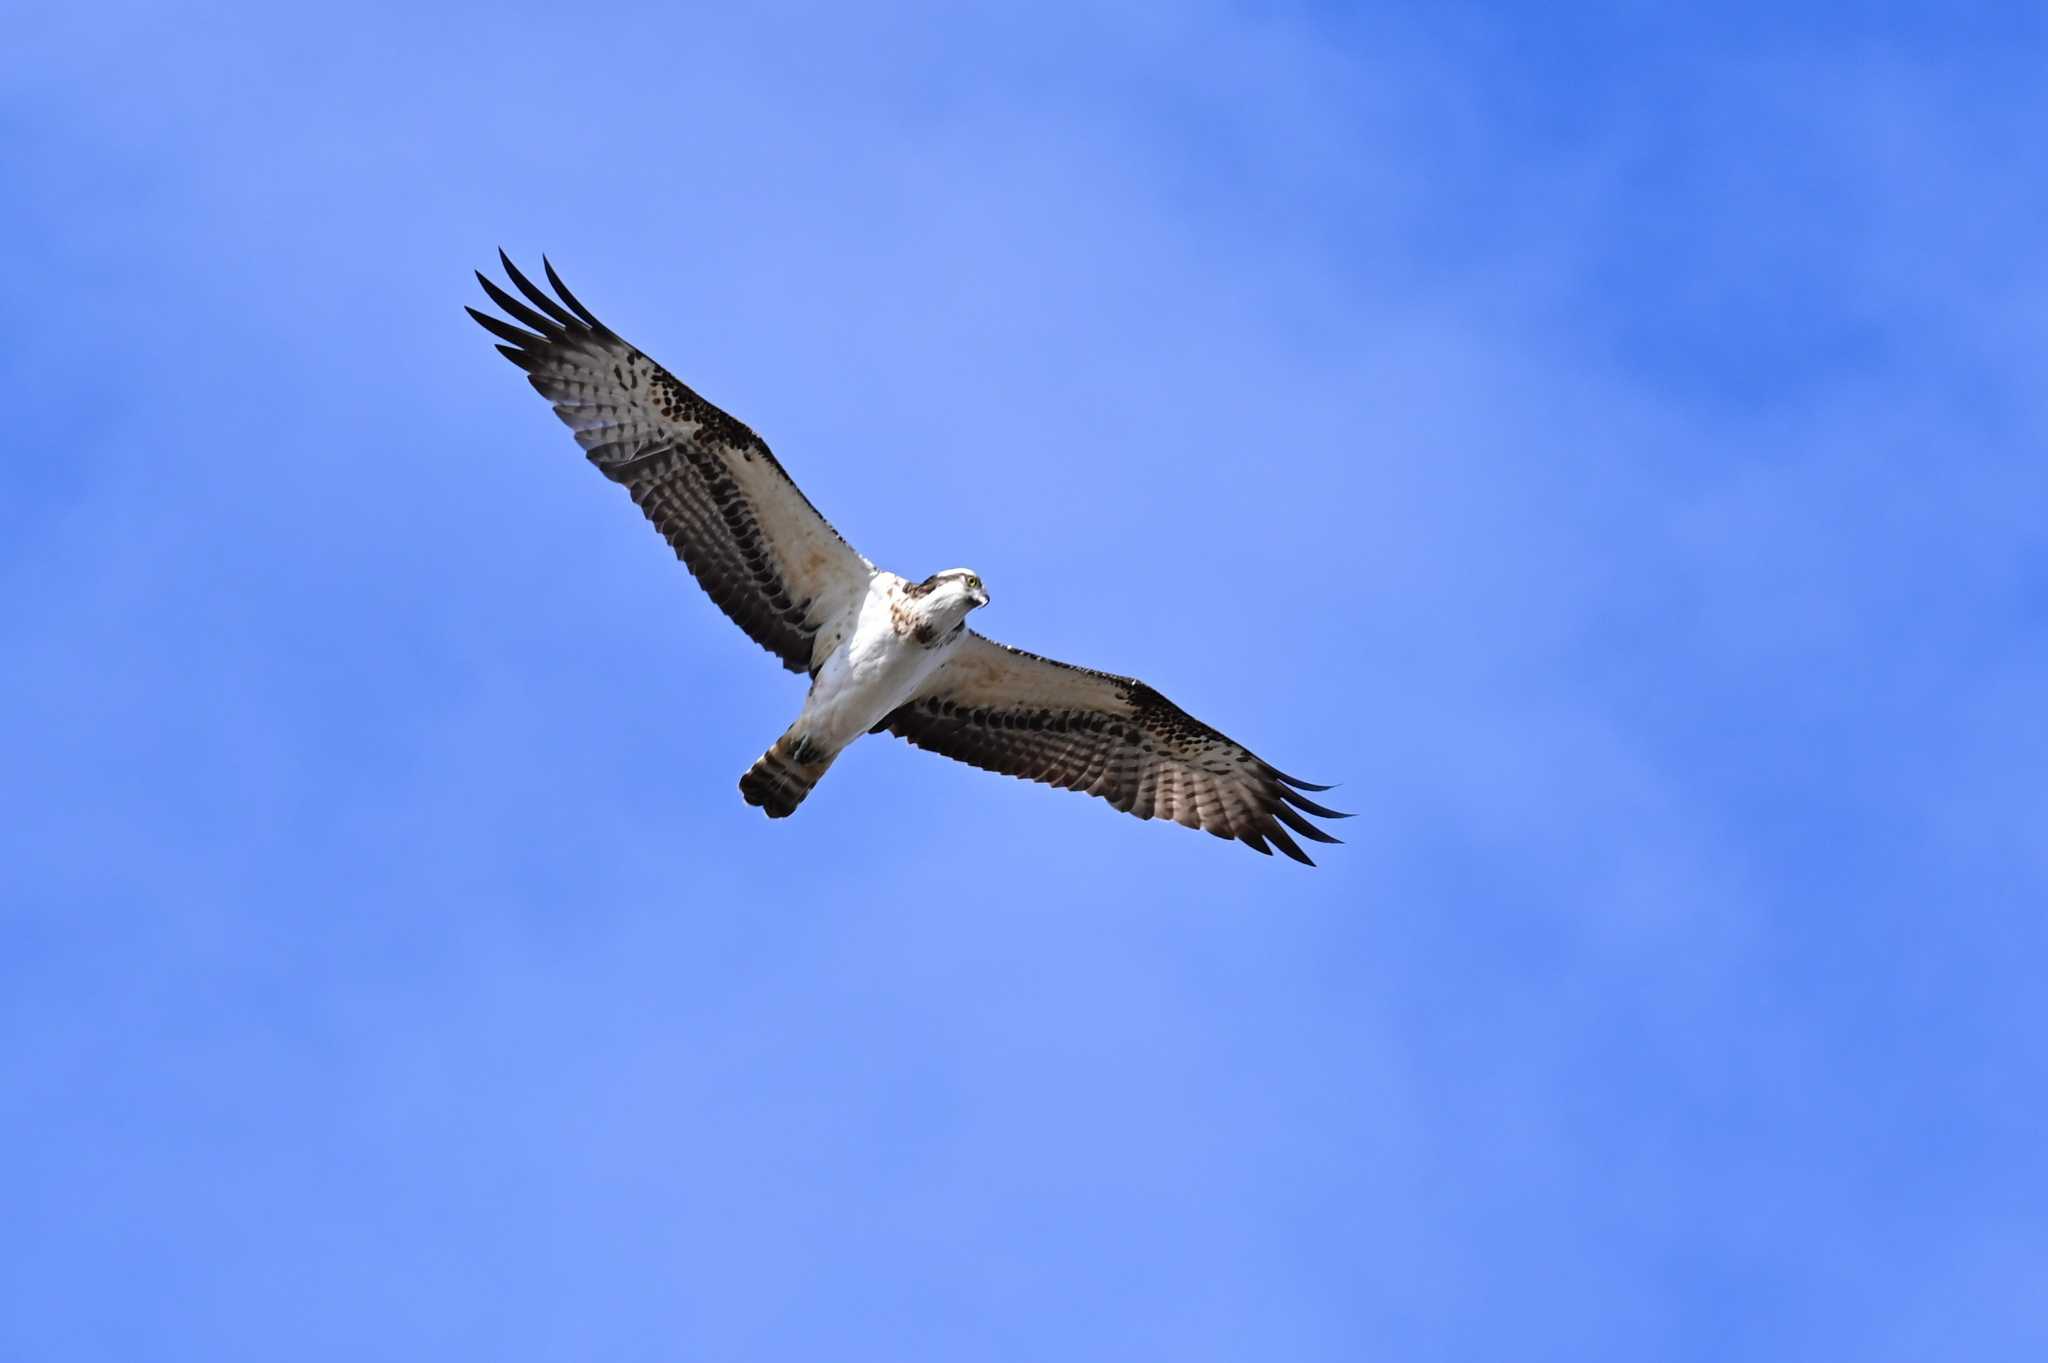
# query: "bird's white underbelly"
x,y
872,672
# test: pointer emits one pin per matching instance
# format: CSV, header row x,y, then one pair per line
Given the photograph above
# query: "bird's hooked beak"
x,y
980,597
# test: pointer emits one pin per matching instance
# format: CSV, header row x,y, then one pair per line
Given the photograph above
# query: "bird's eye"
x,y
974,582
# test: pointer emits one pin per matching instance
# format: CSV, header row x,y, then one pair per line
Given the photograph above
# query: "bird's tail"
x,y
784,775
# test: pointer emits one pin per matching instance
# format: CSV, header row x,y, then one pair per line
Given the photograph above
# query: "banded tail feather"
x,y
785,774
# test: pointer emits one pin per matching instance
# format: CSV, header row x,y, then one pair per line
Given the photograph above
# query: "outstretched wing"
x,y
1002,709
709,485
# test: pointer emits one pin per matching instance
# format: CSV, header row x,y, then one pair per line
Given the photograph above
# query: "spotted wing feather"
x,y
1005,710
710,485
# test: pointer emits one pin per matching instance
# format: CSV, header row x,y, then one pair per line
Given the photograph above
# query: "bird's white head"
x,y
948,597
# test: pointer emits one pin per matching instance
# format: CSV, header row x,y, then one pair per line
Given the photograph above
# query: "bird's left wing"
x,y
750,538
1002,709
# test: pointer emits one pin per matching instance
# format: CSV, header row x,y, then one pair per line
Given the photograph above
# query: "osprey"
x,y
884,654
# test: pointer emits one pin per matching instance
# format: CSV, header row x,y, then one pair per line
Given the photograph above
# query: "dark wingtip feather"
x,y
1301,825
1294,781
574,305
1250,838
546,326
505,331
1303,803
1278,837
535,293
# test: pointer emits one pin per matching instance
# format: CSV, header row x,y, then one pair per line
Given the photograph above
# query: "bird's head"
x,y
952,593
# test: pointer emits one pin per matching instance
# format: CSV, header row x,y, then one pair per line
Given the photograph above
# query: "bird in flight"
x,y
884,654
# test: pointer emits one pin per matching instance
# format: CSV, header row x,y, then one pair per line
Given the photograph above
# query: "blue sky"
x,y
1610,443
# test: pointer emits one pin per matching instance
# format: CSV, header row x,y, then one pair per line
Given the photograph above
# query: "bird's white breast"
x,y
875,668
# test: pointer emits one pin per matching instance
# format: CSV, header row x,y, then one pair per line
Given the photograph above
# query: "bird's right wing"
x,y
709,484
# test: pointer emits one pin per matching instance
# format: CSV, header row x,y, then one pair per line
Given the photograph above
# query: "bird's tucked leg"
x,y
785,774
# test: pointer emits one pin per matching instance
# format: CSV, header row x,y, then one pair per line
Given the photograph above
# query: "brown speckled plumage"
x,y
706,481
1002,709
